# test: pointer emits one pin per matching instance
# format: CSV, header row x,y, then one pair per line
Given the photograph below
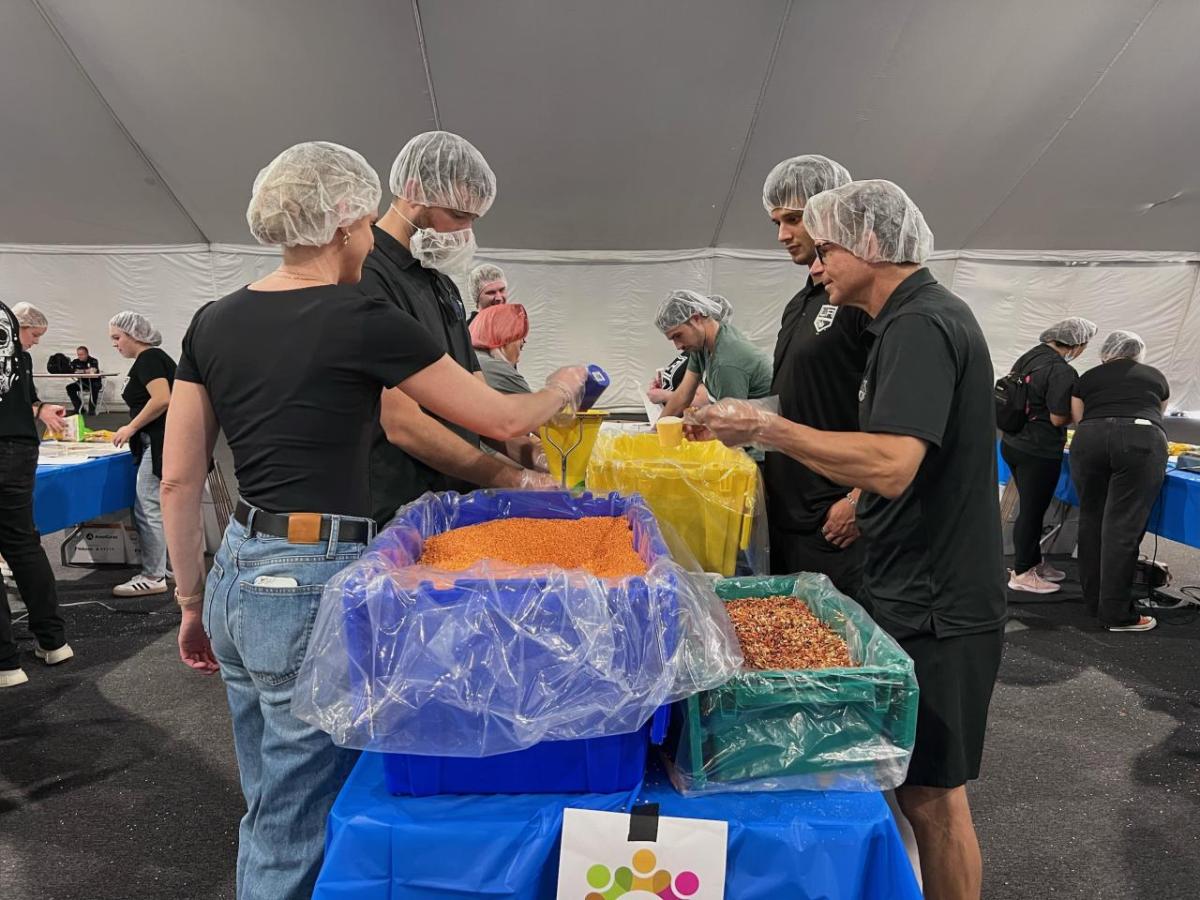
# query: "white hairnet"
x,y
1122,345
726,312
438,168
481,275
137,327
29,316
1072,332
308,191
795,180
875,220
682,305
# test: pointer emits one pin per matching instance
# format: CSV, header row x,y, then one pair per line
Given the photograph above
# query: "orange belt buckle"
x,y
304,528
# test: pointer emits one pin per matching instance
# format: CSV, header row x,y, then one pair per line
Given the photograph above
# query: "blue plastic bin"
x,y
602,764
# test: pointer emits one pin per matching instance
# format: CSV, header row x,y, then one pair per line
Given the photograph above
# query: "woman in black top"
x,y
147,394
1035,453
1118,462
294,368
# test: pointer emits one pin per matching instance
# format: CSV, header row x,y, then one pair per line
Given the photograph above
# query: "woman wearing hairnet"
x,y
500,332
147,394
301,435
1034,454
1118,462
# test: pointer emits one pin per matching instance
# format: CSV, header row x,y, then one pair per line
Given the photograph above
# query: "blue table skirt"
x,y
68,495
1176,515
792,845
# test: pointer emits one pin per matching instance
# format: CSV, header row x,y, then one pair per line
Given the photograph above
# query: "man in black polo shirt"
x,y
84,363
925,460
819,360
440,184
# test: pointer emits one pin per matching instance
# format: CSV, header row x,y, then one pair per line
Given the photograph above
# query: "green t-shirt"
x,y
735,367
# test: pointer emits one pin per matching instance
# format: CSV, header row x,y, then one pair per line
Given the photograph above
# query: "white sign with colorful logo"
x,y
600,862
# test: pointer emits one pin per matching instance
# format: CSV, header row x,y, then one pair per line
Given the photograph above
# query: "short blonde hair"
x,y
29,316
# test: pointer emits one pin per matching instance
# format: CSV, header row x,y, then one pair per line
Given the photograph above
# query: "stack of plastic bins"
x,y
821,729
596,765
707,492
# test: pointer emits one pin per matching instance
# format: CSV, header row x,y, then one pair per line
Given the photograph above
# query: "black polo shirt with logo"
x,y
433,300
819,360
933,563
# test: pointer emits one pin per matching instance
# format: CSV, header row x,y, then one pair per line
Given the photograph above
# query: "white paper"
x,y
599,862
653,410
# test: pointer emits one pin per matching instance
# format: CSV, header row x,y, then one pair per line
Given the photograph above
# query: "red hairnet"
x,y
499,325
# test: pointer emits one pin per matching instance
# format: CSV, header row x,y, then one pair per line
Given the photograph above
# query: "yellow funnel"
x,y
571,443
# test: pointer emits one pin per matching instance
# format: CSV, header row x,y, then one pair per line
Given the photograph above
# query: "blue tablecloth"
x,y
1176,515
792,845
68,495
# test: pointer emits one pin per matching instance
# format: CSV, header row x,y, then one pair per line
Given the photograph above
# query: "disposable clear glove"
x,y
531,480
569,382
735,423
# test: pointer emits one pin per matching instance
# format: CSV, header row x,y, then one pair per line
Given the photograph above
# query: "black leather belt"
x,y
303,528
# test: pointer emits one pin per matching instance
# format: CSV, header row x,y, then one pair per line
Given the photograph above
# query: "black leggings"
x,y
1036,477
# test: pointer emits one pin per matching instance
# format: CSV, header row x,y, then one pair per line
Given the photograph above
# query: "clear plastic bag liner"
x,y
710,494
494,659
815,729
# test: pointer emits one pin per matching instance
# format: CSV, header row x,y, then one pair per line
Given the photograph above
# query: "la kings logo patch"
x,y
825,317
862,389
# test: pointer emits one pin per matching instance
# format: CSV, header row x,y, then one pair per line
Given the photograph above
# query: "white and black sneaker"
x,y
141,586
54,657
12,677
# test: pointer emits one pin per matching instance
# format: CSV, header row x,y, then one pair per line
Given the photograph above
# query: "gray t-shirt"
x,y
501,375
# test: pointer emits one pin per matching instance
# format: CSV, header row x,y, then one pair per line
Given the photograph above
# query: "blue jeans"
x,y
147,515
290,771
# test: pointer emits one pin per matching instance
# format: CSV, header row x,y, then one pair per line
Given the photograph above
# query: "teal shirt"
x,y
735,367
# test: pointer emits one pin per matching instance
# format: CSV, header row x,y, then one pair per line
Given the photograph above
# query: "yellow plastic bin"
x,y
572,442
708,493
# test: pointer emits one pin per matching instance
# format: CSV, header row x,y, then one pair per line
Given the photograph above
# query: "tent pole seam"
x,y
437,118
758,105
137,148
1063,127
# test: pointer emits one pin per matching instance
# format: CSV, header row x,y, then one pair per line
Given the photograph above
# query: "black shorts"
x,y
792,552
956,676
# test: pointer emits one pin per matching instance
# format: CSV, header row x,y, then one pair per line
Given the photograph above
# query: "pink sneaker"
x,y
1030,582
1144,623
1047,572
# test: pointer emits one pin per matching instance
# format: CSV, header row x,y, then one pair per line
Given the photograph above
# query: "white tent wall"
x,y
596,306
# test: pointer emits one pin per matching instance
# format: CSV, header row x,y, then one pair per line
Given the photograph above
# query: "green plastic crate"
x,y
819,729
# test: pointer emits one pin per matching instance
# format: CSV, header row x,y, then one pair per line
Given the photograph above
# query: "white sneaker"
x,y
12,677
141,586
1029,581
54,657
1047,572
1145,623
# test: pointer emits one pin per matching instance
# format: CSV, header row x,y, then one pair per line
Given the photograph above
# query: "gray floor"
x,y
117,777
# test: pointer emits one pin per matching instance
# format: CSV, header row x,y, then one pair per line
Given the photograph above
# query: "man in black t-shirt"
x,y
925,460
819,358
441,184
20,543
84,364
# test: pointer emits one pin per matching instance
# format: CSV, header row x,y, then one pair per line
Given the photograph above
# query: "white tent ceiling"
x,y
632,124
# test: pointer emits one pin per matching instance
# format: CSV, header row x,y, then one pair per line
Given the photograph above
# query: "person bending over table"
x,y
1118,463
719,355
925,459
301,439
84,364
1035,453
20,544
147,394
440,185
